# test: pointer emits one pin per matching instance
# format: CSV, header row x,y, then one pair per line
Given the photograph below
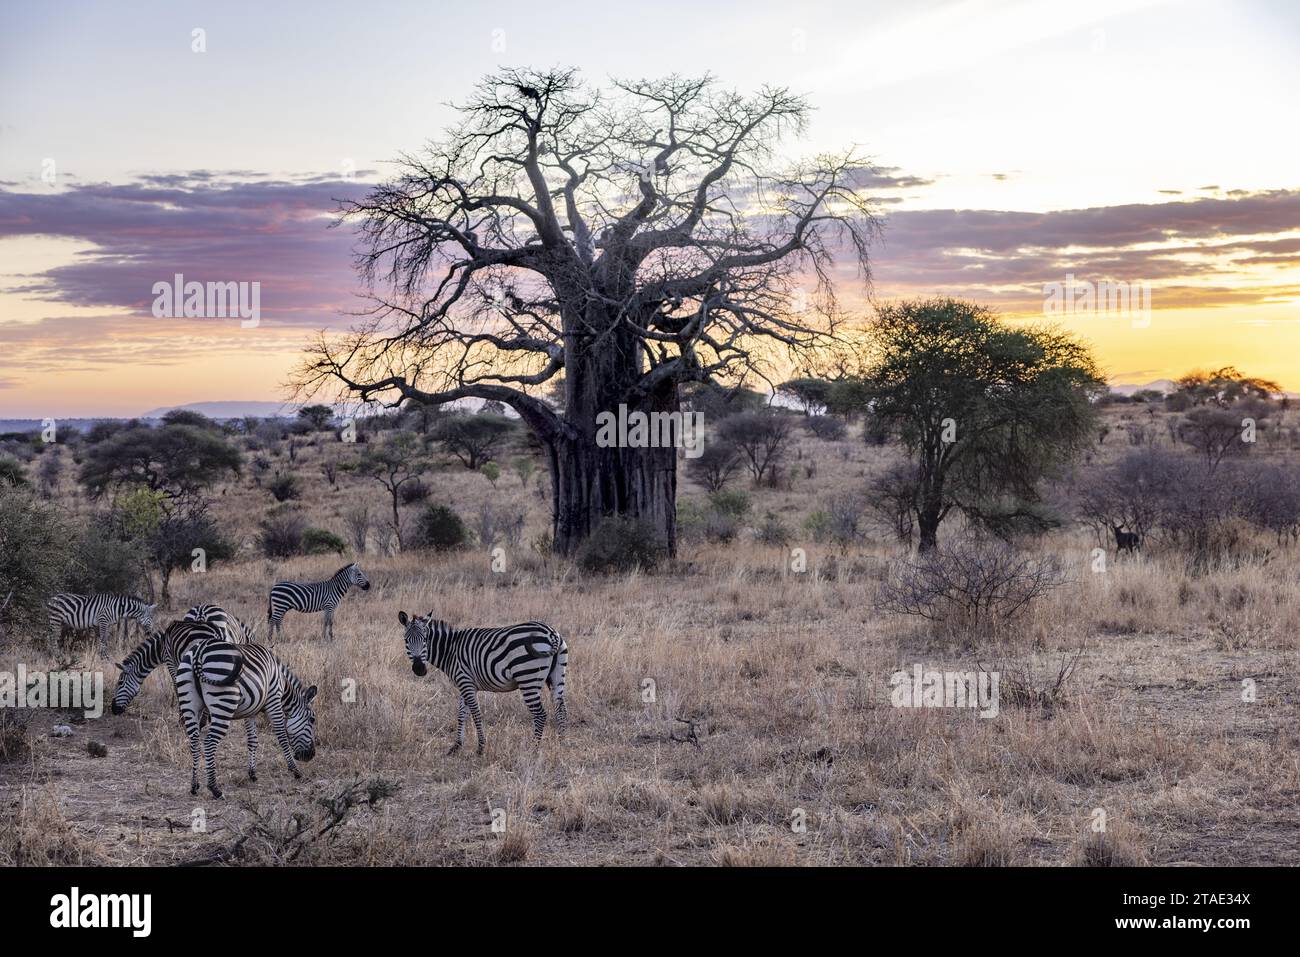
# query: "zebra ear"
x,y
401,616
310,693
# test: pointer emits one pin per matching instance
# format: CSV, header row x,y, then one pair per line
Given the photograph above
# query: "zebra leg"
x,y
329,624
275,717
555,679
187,694
461,711
533,698
103,638
470,697
250,730
220,707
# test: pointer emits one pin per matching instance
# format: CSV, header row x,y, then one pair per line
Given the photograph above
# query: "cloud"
x,y
209,227
1204,251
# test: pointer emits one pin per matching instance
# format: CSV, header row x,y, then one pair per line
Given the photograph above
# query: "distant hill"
x,y
230,409
1163,386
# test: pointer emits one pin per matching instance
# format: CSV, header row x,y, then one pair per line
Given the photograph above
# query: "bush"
x,y
491,471
969,583
11,471
828,428
285,488
35,551
773,531
107,560
619,544
320,541
715,466
282,532
440,529
732,503
413,492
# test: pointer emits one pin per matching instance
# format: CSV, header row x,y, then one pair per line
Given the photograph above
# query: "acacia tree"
x,y
985,409
626,240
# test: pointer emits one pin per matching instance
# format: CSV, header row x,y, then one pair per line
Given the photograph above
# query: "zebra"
x,y
310,597
235,629
165,647
519,657
69,611
229,681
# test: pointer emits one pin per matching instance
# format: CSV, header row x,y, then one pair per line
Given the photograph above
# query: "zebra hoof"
x,y
252,775
216,792
297,775
454,748
479,751
194,789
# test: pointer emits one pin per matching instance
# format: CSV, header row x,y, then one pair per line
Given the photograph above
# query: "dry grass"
x,y
799,757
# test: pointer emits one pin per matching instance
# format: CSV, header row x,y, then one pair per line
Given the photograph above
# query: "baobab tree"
x,y
626,239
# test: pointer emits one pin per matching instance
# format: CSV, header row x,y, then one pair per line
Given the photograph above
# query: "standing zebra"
x,y
308,597
519,657
68,611
234,629
231,681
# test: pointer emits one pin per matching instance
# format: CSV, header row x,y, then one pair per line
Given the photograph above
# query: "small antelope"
x,y
1126,541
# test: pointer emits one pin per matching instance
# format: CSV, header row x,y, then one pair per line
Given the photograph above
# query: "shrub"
x,y
414,492
282,532
35,550
11,471
107,559
491,471
441,529
969,583
320,541
285,488
715,466
619,544
773,531
734,503
828,428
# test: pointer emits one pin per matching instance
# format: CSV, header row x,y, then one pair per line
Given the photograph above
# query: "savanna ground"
x,y
783,677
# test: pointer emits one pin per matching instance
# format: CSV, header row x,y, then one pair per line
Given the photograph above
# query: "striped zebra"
x,y
308,597
101,612
229,682
165,647
522,657
234,629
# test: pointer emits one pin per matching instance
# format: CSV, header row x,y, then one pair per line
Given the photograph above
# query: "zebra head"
x,y
300,721
128,682
144,615
417,641
356,577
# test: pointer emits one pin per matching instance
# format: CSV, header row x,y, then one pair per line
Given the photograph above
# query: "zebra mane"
x,y
342,570
293,687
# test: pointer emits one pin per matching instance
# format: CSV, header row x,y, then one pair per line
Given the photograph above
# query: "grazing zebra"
x,y
519,657
235,629
165,647
97,611
310,597
231,681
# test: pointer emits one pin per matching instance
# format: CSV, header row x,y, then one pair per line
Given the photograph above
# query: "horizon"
x,y
1014,146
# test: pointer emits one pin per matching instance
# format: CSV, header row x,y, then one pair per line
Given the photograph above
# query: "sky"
x,y
1019,145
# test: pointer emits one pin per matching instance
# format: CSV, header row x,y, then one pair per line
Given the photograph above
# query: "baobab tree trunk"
x,y
590,482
